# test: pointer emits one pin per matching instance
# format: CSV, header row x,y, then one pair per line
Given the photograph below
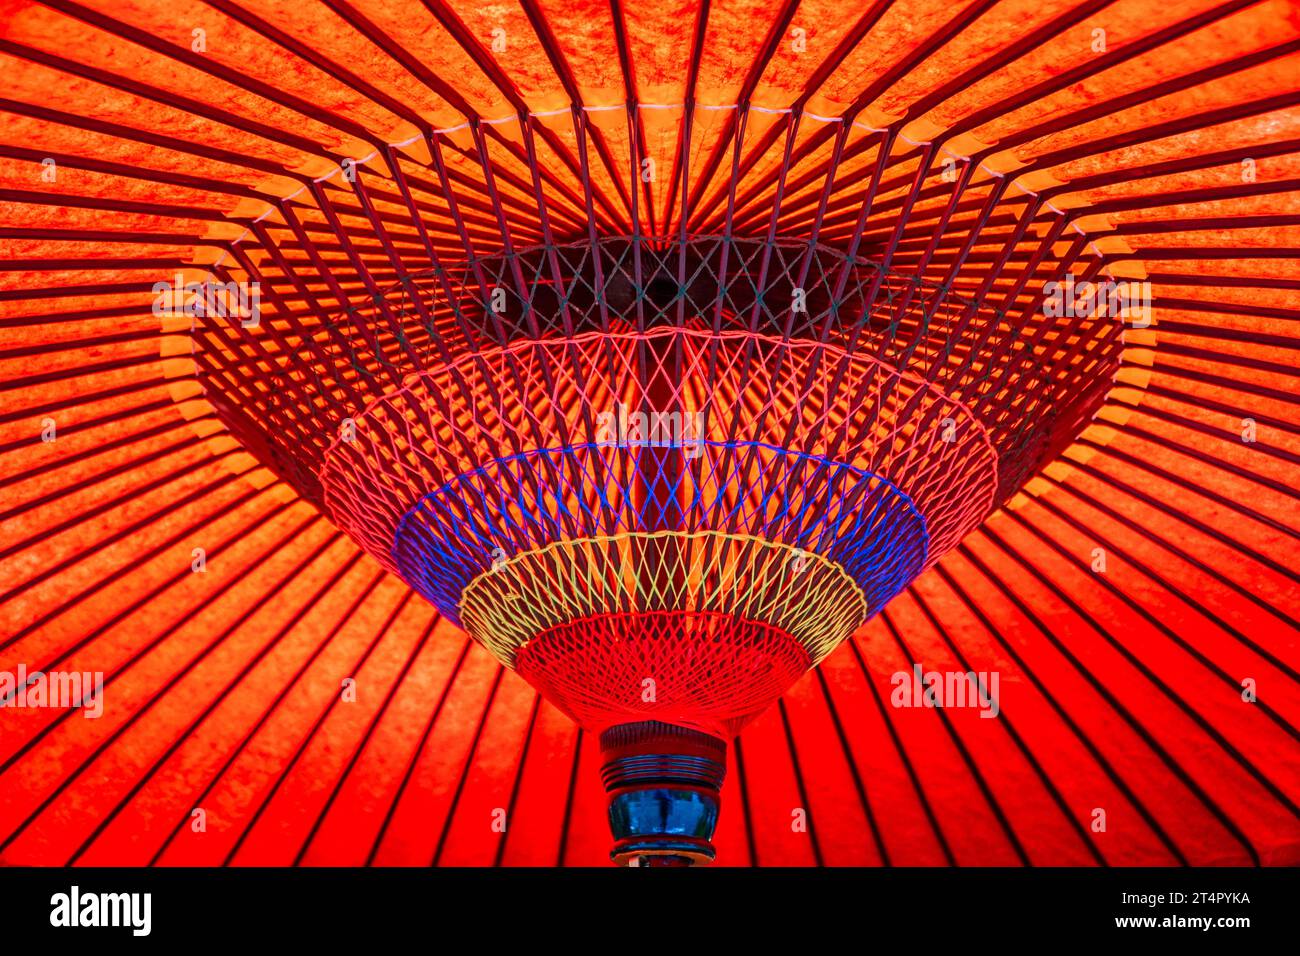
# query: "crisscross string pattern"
x,y
707,670
764,428
806,596
1029,380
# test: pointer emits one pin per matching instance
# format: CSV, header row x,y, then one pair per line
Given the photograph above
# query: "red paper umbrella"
x,y
909,390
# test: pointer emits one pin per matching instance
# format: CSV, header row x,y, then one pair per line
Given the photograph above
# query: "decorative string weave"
x,y
757,420
865,525
1028,380
701,460
804,595
714,672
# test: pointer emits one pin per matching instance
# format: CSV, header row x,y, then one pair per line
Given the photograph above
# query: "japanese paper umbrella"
x,y
446,432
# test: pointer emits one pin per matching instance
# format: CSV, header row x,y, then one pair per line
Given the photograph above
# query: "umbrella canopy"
x,y
273,694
